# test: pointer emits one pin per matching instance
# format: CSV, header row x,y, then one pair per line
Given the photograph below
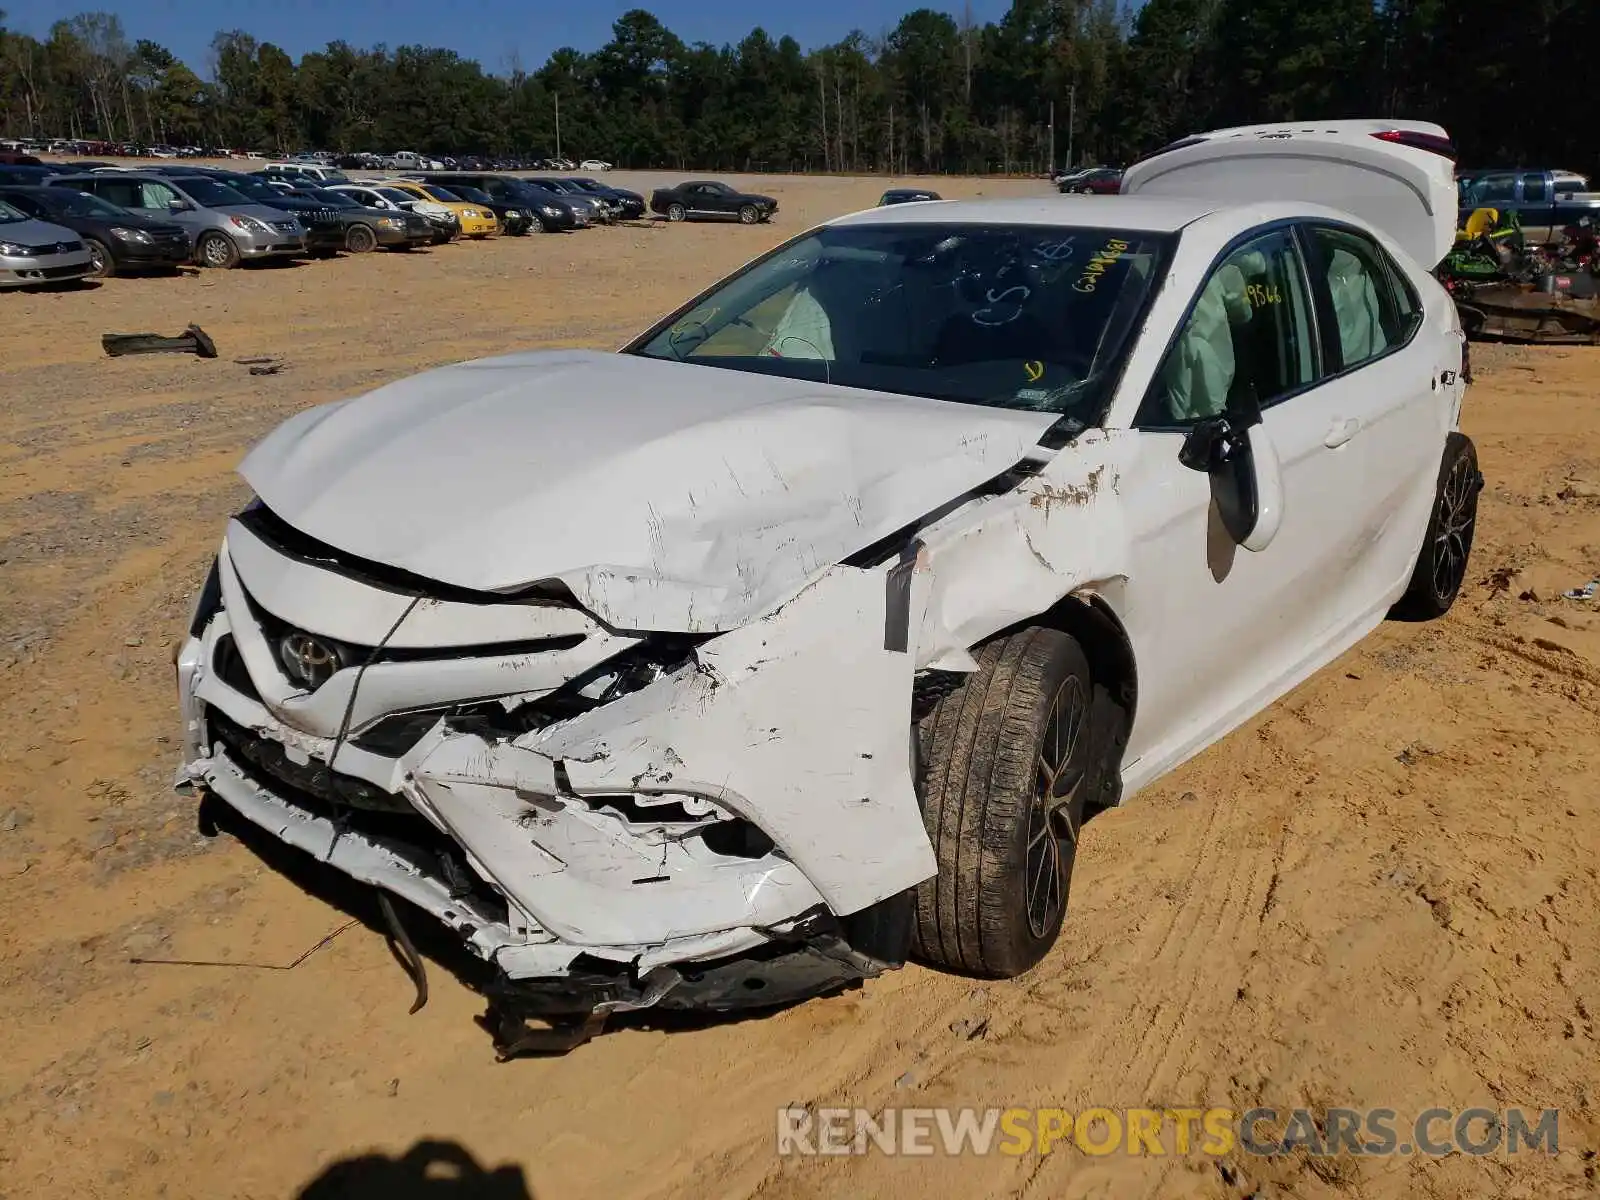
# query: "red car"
x,y
1102,181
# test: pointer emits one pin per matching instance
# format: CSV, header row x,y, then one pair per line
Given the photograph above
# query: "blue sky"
x,y
488,31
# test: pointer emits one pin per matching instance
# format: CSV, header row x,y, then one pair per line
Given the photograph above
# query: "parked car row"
x,y
93,220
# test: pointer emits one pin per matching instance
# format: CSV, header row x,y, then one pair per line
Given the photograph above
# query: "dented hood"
x,y
665,496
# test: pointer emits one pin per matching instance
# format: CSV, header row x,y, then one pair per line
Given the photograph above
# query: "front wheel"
x,y
1008,763
748,215
216,250
101,265
676,212
1442,562
360,239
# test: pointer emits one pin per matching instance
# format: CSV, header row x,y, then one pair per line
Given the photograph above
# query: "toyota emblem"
x,y
308,661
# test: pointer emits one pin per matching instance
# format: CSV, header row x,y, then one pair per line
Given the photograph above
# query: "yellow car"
x,y
476,222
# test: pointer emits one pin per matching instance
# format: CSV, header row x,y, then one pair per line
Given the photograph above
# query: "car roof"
x,y
1143,214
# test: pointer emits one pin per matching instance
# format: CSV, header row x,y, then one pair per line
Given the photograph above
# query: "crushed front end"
x,y
610,819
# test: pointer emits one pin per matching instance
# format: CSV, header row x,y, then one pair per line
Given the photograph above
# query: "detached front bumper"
x,y
739,829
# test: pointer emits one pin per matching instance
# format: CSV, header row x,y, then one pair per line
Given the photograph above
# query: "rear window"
x,y
1030,317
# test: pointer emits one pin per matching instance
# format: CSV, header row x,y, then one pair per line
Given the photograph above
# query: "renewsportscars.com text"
x,y
1214,1132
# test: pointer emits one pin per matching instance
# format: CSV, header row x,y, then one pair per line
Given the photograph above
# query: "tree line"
x,y
1051,79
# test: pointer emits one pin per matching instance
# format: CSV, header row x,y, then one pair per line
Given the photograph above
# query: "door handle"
x,y
1341,432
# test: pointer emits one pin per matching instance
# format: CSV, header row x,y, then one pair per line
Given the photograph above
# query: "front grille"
x,y
60,272
352,654
315,779
50,248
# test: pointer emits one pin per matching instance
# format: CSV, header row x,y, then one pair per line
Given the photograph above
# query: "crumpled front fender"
x,y
799,722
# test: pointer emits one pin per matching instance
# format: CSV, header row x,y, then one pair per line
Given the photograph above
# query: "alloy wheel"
x,y
1453,529
1060,777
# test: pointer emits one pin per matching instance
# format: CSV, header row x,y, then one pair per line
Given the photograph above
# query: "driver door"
x,y
1219,630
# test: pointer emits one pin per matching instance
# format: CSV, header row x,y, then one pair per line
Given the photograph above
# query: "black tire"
x,y
677,212
749,214
216,250
100,254
360,239
1447,547
1007,767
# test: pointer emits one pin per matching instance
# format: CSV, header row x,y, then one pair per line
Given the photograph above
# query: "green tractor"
x,y
1488,249
1505,293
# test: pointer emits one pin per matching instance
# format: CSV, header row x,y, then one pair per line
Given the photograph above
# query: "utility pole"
x,y
557,96
1050,166
1072,120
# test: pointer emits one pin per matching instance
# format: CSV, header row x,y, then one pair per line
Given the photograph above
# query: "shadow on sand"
x,y
430,1170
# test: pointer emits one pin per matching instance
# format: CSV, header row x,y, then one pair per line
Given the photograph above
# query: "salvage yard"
x,y
1382,892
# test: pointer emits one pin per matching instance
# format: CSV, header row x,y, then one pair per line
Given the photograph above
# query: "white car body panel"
x,y
685,500
710,499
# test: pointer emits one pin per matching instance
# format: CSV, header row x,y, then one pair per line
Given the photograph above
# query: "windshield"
x,y
439,193
471,194
8,214
209,192
82,204
1029,316
396,196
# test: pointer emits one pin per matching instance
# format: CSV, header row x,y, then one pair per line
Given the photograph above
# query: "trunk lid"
x,y
1398,176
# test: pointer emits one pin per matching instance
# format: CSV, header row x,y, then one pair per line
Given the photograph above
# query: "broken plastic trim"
x,y
637,667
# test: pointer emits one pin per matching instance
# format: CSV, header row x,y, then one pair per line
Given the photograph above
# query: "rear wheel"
x,y
360,239
1446,548
1009,764
676,212
216,250
100,257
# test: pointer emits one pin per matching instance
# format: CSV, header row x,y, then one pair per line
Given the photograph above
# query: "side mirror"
x,y
179,206
1246,477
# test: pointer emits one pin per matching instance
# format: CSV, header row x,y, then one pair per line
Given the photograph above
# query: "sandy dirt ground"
x,y
1381,892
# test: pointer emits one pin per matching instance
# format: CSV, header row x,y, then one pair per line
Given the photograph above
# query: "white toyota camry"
x,y
803,634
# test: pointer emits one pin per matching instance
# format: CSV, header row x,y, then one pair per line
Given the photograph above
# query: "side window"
x,y
1250,336
1371,314
1533,188
155,196
121,192
1495,189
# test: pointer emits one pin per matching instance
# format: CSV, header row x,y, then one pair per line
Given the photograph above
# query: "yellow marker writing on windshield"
x,y
1035,370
